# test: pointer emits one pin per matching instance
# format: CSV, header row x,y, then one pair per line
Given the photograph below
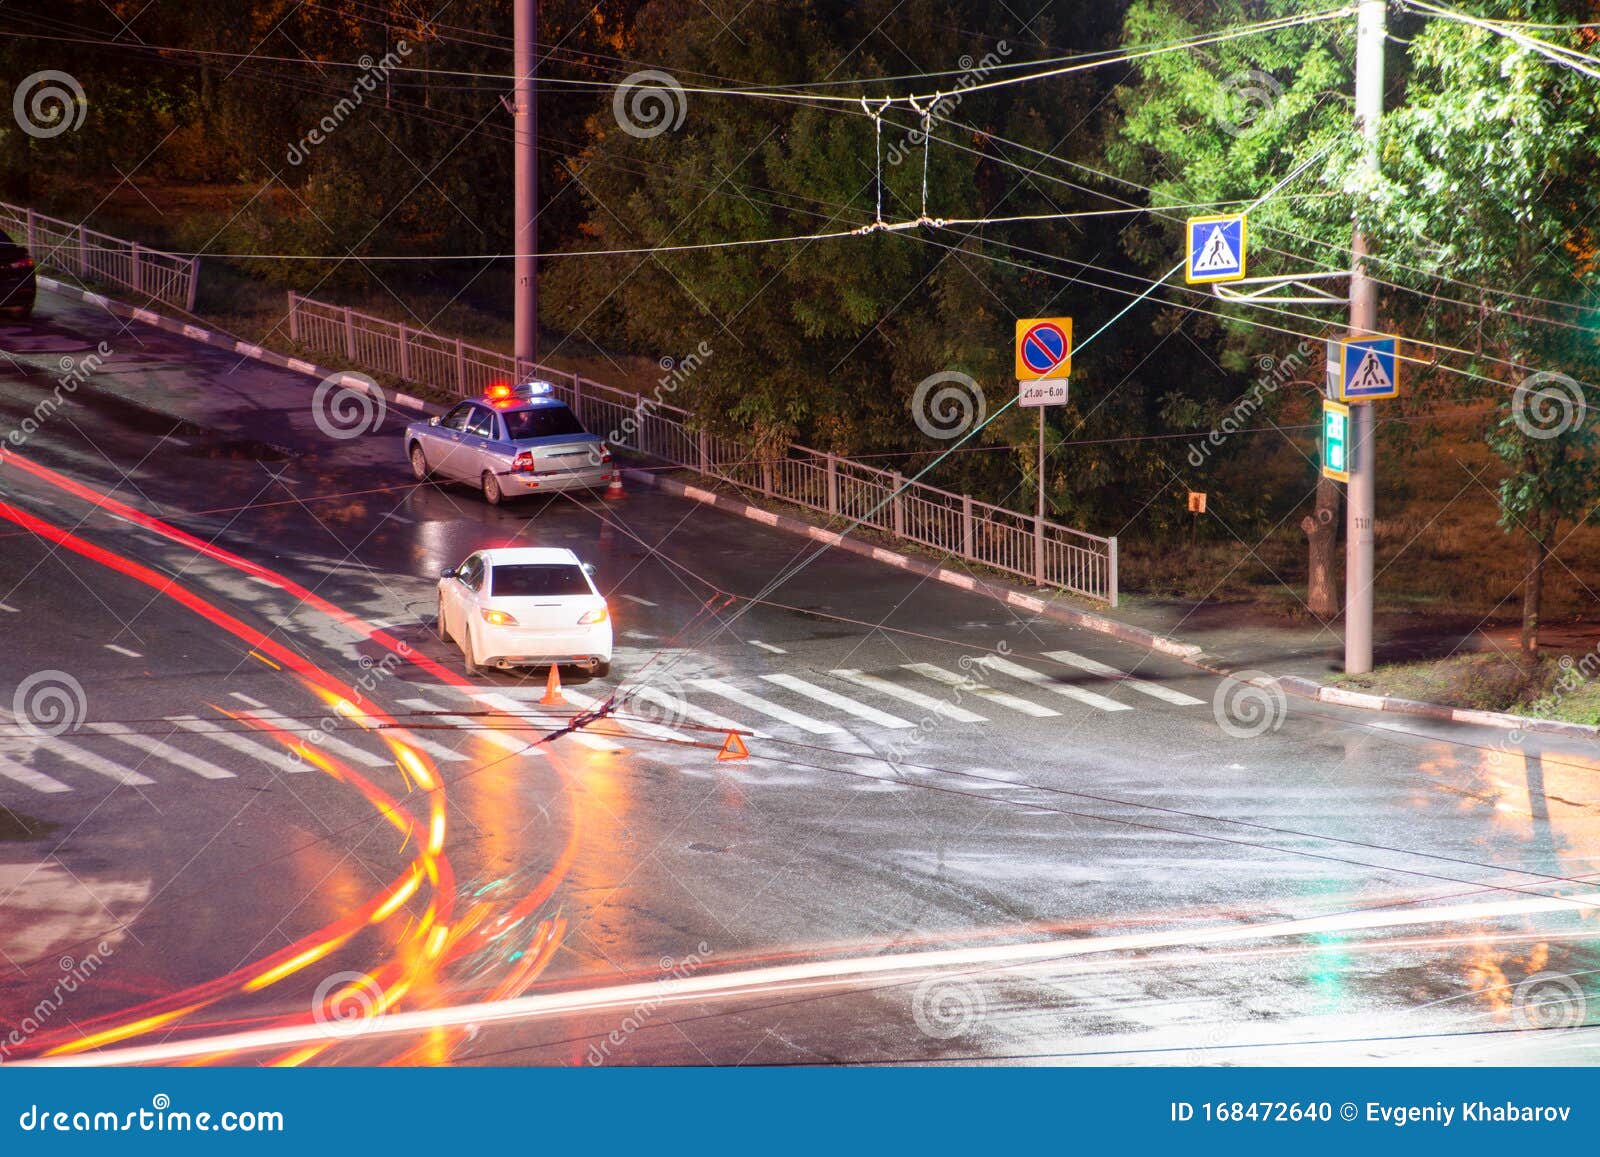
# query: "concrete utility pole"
x,y
525,231
1362,496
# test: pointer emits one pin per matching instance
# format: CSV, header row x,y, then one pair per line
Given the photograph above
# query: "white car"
x,y
525,606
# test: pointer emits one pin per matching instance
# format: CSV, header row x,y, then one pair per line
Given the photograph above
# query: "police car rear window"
x,y
541,422
524,580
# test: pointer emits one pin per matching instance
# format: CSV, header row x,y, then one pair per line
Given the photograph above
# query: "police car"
x,y
515,440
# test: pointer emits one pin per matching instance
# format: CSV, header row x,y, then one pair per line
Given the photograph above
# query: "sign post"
x,y
1044,363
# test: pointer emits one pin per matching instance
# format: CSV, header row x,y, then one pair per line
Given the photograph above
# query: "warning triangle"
x,y
1216,254
1370,374
733,748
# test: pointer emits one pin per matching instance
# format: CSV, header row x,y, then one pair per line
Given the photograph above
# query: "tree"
x,y
1225,124
1490,177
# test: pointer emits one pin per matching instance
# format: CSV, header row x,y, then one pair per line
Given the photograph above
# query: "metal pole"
x,y
1038,516
525,233
1362,503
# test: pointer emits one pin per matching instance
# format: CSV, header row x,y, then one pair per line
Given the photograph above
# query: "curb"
x,y
1187,653
204,336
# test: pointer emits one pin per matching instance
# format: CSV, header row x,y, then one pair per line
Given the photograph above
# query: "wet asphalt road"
x,y
210,847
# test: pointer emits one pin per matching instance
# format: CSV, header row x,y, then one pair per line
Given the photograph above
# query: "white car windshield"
x,y
523,580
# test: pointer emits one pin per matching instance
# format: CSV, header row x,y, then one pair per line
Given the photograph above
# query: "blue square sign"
x,y
1215,249
1369,368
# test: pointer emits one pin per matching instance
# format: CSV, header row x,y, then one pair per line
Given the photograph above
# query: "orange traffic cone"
x,y
733,748
614,491
552,689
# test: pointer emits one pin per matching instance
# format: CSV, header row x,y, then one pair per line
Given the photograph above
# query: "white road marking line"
x,y
595,742
123,651
303,729
637,599
941,707
7,607
767,647
480,728
162,751
642,726
687,710
92,762
27,777
434,748
767,707
834,699
1029,675
235,741
246,700
951,679
805,977
1094,667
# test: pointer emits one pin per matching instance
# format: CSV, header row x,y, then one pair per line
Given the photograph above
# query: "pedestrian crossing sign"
x,y
1215,250
1369,368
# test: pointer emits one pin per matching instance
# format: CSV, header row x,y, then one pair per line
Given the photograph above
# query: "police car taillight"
x,y
523,462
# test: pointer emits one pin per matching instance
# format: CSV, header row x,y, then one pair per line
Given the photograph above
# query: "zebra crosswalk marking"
x,y
237,742
951,679
162,751
940,707
767,707
27,777
1105,671
833,699
1029,675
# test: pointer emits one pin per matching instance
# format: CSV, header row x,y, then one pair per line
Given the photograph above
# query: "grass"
x,y
1490,681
